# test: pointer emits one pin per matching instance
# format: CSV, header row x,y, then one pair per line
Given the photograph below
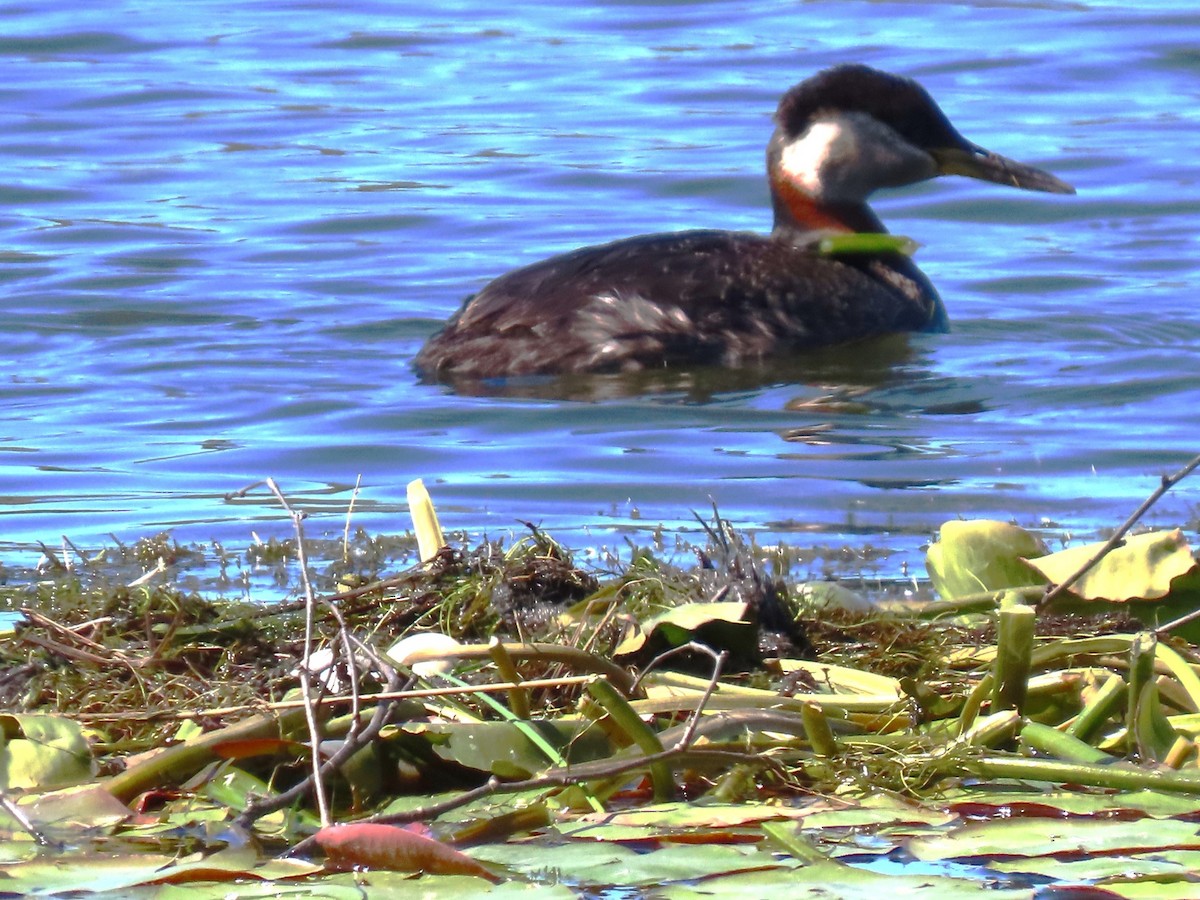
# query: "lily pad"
x,y
42,752
719,625
981,555
1142,569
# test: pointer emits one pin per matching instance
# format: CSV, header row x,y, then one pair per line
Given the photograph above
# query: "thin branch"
x,y
349,514
23,820
689,732
594,771
1168,482
310,604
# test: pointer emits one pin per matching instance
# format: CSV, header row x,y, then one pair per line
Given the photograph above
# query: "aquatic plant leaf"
x,y
690,816
503,749
77,872
375,846
981,555
1156,804
603,863
1005,838
441,887
1160,865
84,805
719,625
42,752
1142,569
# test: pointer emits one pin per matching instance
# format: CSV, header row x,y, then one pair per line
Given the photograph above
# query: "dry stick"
x,y
1168,482
23,820
689,647
351,655
689,731
310,604
255,811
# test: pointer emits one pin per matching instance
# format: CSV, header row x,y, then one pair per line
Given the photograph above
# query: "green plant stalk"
x,y
1103,706
1117,778
1014,652
1181,751
180,762
817,730
1060,745
984,601
989,731
624,716
1141,673
1053,653
843,677
974,702
1154,735
687,689
795,844
518,698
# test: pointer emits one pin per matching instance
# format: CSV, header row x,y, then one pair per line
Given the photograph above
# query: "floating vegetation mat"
x,y
499,720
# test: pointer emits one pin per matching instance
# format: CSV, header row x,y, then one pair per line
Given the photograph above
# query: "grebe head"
x,y
850,130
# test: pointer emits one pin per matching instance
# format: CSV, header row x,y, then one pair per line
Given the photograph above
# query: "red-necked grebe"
x,y
732,298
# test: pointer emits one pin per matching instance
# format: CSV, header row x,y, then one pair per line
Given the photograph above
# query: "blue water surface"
x,y
227,227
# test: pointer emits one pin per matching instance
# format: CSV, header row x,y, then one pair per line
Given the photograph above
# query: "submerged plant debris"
x,y
500,719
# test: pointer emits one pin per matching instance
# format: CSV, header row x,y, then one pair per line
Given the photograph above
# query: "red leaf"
x,y
376,846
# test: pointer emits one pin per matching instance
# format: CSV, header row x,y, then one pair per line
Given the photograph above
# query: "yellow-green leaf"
x,y
1142,569
981,555
42,752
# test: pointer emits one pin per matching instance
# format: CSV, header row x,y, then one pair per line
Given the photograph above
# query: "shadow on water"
x,y
846,378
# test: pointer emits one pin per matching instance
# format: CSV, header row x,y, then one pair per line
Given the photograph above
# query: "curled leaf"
x,y
726,625
39,751
1141,569
376,846
981,555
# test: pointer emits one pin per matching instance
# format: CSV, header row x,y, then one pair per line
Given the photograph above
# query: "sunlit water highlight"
x,y
227,229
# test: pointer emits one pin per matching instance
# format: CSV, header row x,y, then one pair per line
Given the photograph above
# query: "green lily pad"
x,y
604,864
981,555
1005,838
42,752
503,748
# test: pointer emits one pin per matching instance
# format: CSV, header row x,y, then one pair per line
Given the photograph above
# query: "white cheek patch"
x,y
808,160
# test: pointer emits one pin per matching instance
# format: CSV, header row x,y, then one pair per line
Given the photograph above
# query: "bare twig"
x,y
593,771
1185,619
310,603
349,514
315,781
689,731
689,647
23,820
1168,482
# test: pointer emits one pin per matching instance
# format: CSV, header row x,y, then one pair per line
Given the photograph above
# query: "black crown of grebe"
x,y
733,298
